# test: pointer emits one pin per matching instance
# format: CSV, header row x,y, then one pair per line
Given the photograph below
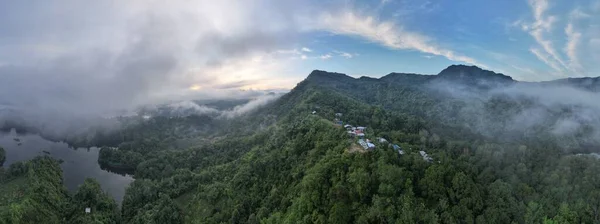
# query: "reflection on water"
x,y
78,163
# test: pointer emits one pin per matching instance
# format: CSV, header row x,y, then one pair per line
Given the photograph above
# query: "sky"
x,y
88,56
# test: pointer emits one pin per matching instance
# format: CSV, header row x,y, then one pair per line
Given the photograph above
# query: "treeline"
x,y
299,171
282,164
33,192
307,177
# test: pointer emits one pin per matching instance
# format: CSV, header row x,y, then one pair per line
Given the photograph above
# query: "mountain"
x,y
587,83
481,103
472,73
476,147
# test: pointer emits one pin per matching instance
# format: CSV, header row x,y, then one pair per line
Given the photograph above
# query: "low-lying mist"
x,y
562,113
59,125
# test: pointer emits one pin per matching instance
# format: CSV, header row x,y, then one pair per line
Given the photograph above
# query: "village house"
x,y
367,145
363,143
370,146
398,148
425,156
351,134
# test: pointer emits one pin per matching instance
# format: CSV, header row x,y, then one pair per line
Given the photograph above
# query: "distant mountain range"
x,y
468,100
470,75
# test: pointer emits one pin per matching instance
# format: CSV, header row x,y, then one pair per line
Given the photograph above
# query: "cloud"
x,y
184,107
345,54
306,49
154,51
250,106
577,13
573,39
558,109
325,56
541,25
385,33
545,58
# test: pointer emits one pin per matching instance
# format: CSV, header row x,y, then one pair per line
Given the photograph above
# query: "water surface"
x,y
78,164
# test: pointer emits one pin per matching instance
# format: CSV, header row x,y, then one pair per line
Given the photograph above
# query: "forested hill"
x,y
481,149
456,73
469,101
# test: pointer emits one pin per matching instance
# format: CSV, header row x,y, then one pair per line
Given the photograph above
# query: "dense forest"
x,y
289,162
33,192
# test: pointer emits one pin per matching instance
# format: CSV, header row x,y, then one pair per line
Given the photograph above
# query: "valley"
x,y
477,147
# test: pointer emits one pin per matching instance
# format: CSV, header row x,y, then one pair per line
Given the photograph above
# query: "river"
x,y
78,164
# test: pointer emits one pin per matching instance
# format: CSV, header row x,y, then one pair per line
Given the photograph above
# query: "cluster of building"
x,y
355,131
367,144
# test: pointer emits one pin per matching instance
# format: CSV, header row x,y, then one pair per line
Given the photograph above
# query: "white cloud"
x,y
289,51
250,106
386,33
305,49
543,24
577,13
345,54
325,56
573,39
545,58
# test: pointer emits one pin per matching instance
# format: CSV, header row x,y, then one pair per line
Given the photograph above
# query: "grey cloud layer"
x,y
563,111
110,55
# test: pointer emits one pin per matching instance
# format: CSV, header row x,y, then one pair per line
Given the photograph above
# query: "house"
x,y
339,123
398,148
338,114
347,126
364,144
425,156
361,128
382,140
360,135
314,112
370,146
88,210
351,134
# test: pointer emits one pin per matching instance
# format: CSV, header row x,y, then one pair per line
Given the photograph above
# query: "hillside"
x,y
33,192
464,146
466,100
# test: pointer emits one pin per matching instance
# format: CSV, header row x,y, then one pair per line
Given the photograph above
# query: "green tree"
x,y
103,208
2,156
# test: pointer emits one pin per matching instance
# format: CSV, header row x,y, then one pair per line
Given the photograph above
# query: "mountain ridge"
x,y
470,75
